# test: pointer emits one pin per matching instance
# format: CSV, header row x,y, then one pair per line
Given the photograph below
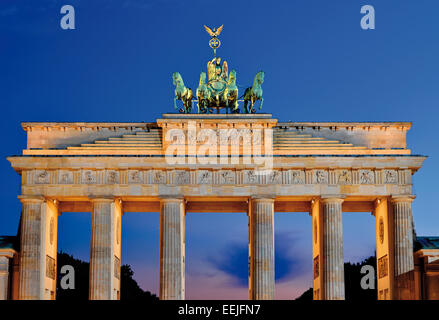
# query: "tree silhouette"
x,y
352,276
130,290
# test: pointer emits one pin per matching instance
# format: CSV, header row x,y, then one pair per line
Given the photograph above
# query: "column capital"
x,y
332,198
31,198
265,198
403,198
171,199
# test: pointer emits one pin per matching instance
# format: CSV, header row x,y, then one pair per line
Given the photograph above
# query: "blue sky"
x,y
319,66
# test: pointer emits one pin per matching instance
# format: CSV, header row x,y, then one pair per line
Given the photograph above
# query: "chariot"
x,y
220,90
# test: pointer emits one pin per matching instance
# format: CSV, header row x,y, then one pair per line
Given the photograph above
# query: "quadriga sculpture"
x,y
203,94
231,93
254,93
182,93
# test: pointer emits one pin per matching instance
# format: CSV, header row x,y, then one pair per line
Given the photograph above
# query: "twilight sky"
x,y
319,66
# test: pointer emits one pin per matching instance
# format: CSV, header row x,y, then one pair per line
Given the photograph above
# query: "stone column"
x,y
4,277
261,249
403,256
104,282
30,252
172,248
39,219
333,257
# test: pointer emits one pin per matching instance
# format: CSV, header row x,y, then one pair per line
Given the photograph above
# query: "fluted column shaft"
x,y
402,210
403,257
102,250
172,228
30,250
262,249
4,277
38,247
333,263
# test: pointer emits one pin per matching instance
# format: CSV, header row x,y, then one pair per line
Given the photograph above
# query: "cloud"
x,y
233,260
286,261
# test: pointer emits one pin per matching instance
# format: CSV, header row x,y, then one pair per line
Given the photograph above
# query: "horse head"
x,y
202,79
177,79
232,78
259,78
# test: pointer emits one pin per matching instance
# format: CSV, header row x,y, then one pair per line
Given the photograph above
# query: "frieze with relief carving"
x,y
134,176
316,267
344,177
202,176
65,177
383,266
42,177
274,177
297,177
181,177
116,267
390,176
50,267
320,177
158,177
88,176
251,177
226,177
367,177
112,177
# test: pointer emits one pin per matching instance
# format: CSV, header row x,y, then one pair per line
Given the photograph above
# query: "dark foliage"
x,y
81,278
353,275
130,290
307,295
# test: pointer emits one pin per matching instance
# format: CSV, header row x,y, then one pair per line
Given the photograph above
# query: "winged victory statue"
x,y
218,90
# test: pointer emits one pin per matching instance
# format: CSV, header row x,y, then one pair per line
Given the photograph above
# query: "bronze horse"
x,y
254,93
182,93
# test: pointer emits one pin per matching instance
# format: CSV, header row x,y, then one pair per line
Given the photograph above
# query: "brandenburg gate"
x,y
186,163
